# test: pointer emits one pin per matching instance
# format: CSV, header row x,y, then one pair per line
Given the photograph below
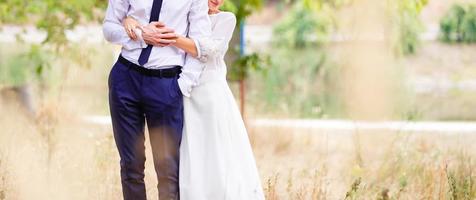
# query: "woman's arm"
x,y
186,44
218,45
209,47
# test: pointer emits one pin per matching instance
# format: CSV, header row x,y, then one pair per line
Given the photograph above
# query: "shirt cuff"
x,y
140,39
185,87
197,46
135,44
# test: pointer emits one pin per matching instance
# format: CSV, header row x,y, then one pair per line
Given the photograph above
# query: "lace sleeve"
x,y
210,47
222,32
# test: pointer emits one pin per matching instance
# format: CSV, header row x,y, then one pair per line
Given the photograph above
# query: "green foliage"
x,y
406,25
229,6
304,79
242,8
459,24
309,23
52,16
33,11
242,65
317,5
245,64
19,66
302,27
298,83
302,82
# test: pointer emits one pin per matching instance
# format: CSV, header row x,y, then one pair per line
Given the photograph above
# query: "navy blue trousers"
x,y
135,98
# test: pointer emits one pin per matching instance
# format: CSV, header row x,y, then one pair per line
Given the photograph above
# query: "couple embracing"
x,y
171,75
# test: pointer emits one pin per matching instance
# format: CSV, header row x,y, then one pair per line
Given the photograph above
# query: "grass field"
x,y
311,165
62,157
56,155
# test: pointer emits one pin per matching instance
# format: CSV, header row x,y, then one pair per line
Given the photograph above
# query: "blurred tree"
x,y
242,67
405,24
242,8
304,76
52,16
302,79
309,23
459,24
17,71
242,64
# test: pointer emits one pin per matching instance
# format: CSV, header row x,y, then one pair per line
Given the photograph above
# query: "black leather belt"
x,y
161,73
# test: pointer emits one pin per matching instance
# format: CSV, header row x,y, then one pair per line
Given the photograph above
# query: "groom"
x,y
147,84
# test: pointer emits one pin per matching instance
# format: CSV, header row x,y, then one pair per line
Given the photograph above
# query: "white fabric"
x,y
216,159
186,17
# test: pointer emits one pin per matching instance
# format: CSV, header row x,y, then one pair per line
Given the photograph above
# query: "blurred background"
x,y
343,99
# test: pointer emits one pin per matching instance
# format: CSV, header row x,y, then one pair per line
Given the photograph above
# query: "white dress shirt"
x,y
187,17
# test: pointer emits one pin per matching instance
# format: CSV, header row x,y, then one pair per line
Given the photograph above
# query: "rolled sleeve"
x,y
197,45
185,86
199,27
140,39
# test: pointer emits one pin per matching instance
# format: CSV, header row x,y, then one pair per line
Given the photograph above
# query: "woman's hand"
x,y
157,34
130,24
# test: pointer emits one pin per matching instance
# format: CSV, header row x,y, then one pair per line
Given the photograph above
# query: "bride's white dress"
x,y
216,159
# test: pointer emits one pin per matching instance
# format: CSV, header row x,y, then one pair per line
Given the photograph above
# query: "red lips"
x,y
214,3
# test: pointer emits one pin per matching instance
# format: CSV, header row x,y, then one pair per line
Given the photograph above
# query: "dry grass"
x,y
58,156
315,165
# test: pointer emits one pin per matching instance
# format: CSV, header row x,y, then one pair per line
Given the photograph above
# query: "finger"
x,y
158,24
133,35
165,30
165,35
165,41
168,36
164,45
128,31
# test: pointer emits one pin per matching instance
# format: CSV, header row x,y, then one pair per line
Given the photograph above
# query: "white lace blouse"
x,y
213,49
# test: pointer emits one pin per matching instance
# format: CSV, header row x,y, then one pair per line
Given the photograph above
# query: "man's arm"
x,y
199,27
113,29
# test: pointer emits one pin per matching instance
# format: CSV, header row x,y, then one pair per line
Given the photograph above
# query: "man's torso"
x,y
174,14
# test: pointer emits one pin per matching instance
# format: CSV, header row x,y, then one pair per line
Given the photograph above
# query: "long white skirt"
x,y
216,159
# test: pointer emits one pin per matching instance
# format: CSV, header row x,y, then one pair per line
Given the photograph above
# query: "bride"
x,y
216,159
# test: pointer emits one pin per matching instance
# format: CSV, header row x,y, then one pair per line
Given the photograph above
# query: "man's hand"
x,y
157,34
